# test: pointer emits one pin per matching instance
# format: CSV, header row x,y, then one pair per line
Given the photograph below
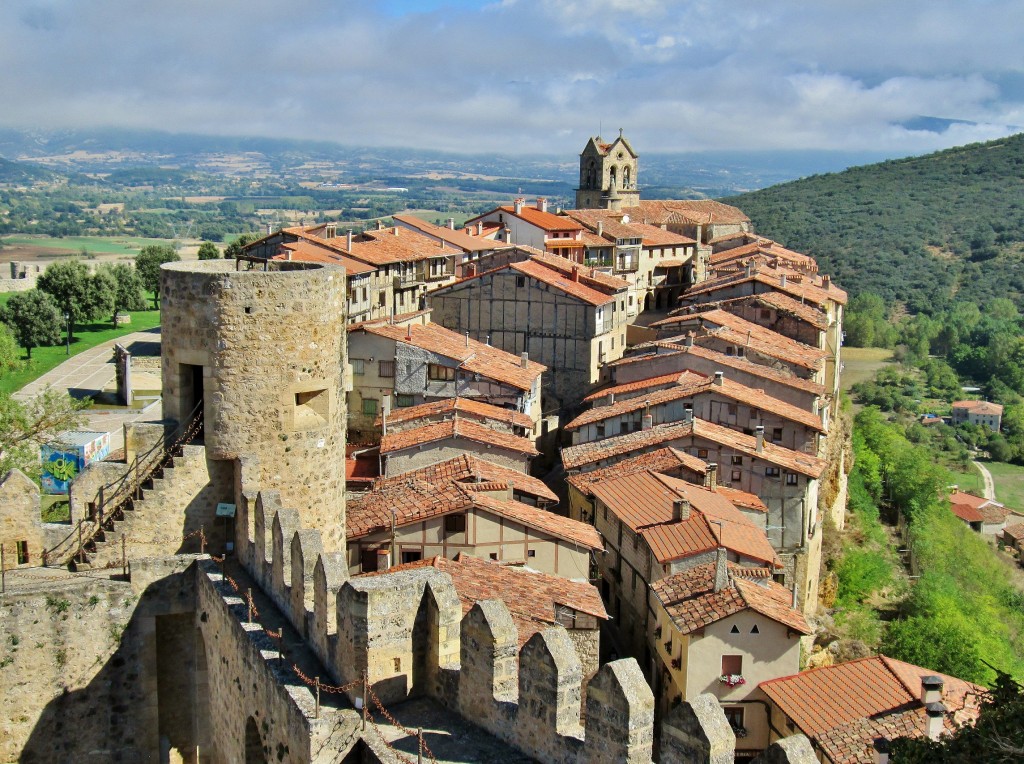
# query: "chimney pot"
x,y
689,339
542,204
648,422
719,377
451,224
518,205
681,509
524,359
759,434
936,718
348,240
480,229
931,689
721,569
782,280
575,273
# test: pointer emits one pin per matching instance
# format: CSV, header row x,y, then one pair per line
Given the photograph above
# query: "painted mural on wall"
x,y
64,459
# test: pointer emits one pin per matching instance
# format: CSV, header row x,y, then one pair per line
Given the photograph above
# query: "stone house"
x,y
985,516
723,629
978,412
716,399
655,525
23,534
729,334
533,226
501,419
732,252
786,481
803,323
535,600
396,366
445,509
657,360
850,711
428,444
475,249
608,175
568,317
657,263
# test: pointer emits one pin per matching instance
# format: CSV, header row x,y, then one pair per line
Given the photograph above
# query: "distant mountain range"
x,y
661,175
923,230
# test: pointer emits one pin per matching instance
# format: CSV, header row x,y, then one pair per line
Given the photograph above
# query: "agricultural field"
x,y
33,247
860,364
1009,480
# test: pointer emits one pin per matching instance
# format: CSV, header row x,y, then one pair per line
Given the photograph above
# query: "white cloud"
x,y
525,76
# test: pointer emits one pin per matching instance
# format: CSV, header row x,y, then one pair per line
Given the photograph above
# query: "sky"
x,y
525,76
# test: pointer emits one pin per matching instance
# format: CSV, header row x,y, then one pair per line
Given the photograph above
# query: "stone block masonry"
x,y
264,352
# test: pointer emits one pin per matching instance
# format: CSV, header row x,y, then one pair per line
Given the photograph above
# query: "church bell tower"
x,y
608,175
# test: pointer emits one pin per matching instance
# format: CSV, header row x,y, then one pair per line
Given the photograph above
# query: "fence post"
x,y
124,556
248,597
419,739
365,710
202,540
318,697
81,549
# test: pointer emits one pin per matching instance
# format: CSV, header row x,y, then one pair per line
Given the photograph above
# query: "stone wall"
x,y
21,530
266,352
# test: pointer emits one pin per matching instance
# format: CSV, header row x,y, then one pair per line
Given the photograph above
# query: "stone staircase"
x,y
156,524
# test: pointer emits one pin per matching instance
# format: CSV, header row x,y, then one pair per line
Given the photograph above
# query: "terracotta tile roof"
x,y
385,247
979,407
644,502
308,252
690,599
665,380
547,221
846,706
798,285
454,406
588,276
743,235
554,278
455,428
731,328
777,300
476,357
540,519
594,241
742,498
575,457
701,211
446,487
1015,531
455,237
769,249
974,509
661,460
728,361
532,598
753,397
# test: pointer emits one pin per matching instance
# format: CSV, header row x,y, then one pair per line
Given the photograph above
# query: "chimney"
x,y
759,434
796,595
681,509
524,359
385,406
711,477
782,280
470,271
600,228
396,230
408,335
270,228
542,204
518,205
719,377
380,225
488,340
826,281
648,422
480,229
348,240
721,569
451,224
748,269
689,339
383,559
931,689
687,413
288,255
611,399
936,718
575,273
467,339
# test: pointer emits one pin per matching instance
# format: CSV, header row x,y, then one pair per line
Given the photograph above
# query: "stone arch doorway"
x,y
254,753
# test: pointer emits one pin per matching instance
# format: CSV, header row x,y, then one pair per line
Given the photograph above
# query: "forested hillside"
x,y
923,231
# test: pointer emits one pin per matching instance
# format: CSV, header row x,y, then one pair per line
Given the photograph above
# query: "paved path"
x,y
87,373
990,486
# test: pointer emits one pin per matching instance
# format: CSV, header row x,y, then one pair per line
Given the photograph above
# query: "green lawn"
x,y
969,482
1009,480
104,245
860,364
86,336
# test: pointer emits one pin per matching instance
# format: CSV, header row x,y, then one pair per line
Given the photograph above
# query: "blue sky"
x,y
525,76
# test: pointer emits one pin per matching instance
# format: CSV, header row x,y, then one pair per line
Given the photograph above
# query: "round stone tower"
x,y
260,355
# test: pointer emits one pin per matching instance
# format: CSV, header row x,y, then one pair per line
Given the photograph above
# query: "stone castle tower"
x,y
608,175
261,354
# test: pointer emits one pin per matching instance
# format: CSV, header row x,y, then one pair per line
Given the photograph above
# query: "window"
x,y
634,580
437,371
754,629
623,427
370,406
735,629
702,453
740,352
312,408
737,460
22,549
737,475
734,715
732,665
385,368
531,552
520,281
357,367
599,429
493,555
732,409
776,435
772,472
792,478
408,557
455,523
766,314
404,401
730,350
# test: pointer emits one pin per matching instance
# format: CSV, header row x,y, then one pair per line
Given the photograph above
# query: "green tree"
x,y
80,295
148,263
234,249
9,360
128,289
34,318
208,251
24,426
936,643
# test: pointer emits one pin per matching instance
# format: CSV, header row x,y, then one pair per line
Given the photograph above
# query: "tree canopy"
x,y
128,288
148,263
34,318
79,294
26,426
208,251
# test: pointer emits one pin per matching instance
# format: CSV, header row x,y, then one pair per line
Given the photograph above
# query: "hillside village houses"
x,y
978,412
694,452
